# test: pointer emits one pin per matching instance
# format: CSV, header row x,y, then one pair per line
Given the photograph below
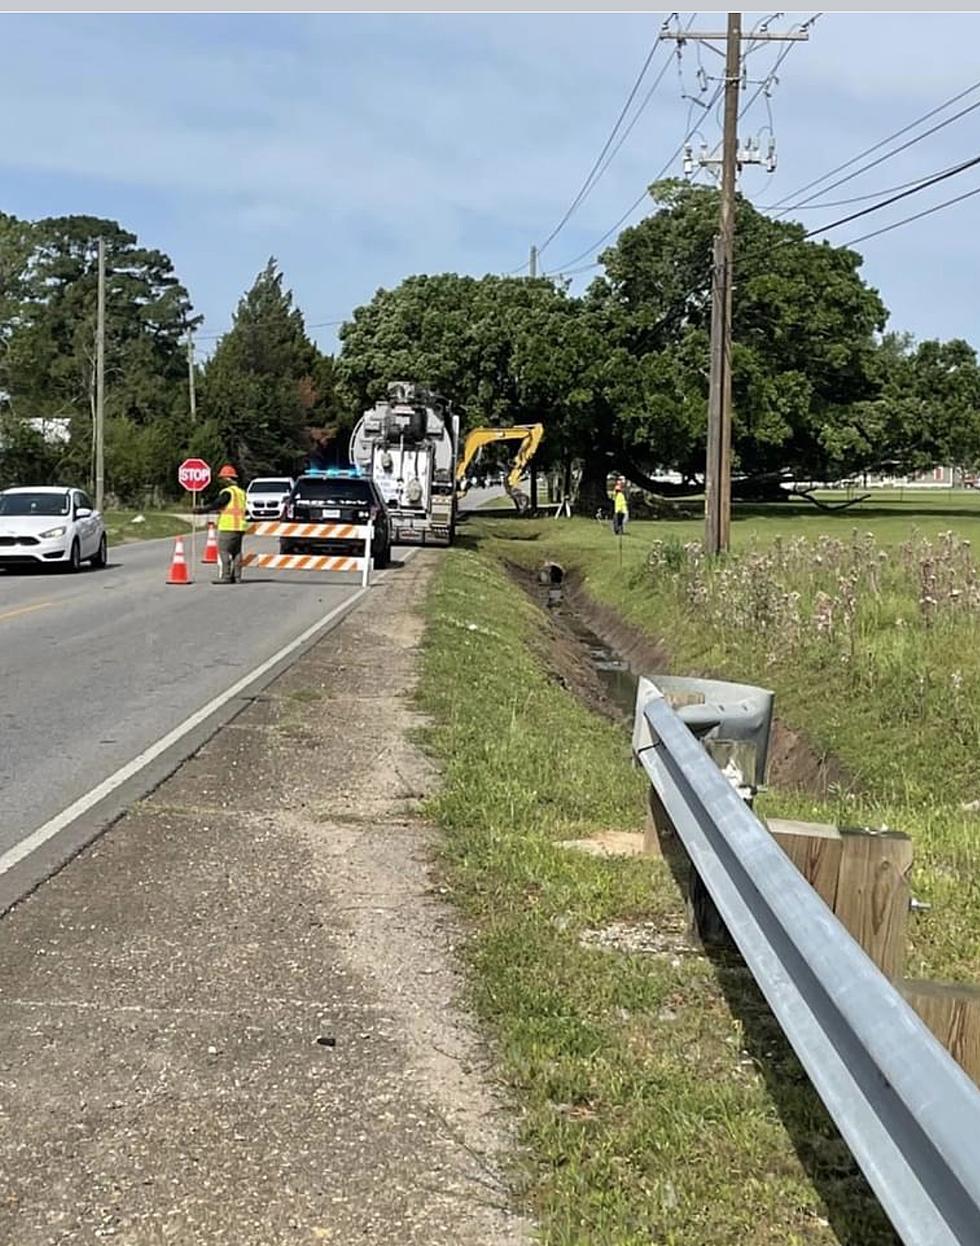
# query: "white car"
x,y
266,496
50,525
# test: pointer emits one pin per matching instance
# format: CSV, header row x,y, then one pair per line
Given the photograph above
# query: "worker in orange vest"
x,y
232,524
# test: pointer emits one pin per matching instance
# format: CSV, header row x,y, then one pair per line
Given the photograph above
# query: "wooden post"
x,y
951,1010
659,836
861,876
873,897
705,922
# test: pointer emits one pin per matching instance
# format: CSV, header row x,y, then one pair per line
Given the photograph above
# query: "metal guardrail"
x,y
908,1112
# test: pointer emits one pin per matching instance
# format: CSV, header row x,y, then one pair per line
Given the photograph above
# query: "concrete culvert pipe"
x,y
551,573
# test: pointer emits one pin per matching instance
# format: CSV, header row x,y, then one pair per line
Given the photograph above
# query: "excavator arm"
x,y
529,435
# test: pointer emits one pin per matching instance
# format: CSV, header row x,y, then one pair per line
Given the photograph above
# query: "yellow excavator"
x,y
529,435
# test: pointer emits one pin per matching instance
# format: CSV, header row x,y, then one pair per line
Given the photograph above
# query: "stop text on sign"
x,y
194,475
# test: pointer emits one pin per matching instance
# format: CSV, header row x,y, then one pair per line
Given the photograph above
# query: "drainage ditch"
x,y
598,656
610,669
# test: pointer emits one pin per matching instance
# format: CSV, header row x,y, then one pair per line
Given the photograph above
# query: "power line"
x,y
843,203
639,112
636,202
569,269
877,207
875,147
320,324
779,59
887,156
592,178
917,217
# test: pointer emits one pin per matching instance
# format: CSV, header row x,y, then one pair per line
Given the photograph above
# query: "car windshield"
x,y
334,492
270,486
34,504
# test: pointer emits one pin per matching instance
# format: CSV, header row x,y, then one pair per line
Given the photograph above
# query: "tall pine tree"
x,y
263,386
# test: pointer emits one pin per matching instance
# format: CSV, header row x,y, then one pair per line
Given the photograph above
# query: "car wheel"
x,y
101,556
74,558
383,558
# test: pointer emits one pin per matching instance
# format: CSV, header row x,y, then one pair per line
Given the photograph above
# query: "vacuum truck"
x,y
408,445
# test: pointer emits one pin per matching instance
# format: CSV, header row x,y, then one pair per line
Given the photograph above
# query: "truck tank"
x,y
408,444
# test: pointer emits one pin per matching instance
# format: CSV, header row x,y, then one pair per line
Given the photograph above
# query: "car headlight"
x,y
54,532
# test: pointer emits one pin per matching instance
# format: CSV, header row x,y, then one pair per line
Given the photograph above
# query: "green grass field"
x,y
120,528
892,689
658,1102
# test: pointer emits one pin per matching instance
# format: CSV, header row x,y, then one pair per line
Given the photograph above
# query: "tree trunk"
x,y
592,493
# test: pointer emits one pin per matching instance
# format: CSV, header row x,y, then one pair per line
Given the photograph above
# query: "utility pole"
x,y
192,392
533,265
100,385
718,482
718,459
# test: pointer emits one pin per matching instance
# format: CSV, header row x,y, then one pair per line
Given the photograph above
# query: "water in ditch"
x,y
618,681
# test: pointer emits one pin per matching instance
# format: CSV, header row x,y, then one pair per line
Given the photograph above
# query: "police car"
x,y
338,497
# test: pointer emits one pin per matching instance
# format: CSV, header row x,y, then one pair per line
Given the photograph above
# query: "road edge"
x,y
50,847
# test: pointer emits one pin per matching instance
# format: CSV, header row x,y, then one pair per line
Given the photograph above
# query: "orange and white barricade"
x,y
314,562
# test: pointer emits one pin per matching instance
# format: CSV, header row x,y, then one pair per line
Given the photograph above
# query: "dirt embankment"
x,y
794,763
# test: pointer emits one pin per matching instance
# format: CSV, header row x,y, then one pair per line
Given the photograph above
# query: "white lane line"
x,y
84,803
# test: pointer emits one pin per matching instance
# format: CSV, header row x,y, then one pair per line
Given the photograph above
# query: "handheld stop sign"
x,y
195,476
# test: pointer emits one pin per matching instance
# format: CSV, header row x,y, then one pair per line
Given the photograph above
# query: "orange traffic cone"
x,y
178,568
211,545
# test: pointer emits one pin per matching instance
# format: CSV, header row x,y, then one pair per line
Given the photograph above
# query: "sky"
x,y
361,148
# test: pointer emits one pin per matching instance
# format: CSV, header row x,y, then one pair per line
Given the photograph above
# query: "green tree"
x,y
804,329
266,383
25,457
47,341
927,410
503,350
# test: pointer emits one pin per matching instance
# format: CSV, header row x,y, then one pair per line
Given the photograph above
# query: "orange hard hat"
x,y
228,473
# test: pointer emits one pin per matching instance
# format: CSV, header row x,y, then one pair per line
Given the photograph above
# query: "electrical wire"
x,y
917,217
912,125
636,202
876,207
568,268
590,180
639,112
320,324
874,194
779,60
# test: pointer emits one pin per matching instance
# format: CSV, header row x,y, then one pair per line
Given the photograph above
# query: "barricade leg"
x,y
366,570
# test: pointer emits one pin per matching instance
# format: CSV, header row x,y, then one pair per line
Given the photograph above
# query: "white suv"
x,y
266,496
50,525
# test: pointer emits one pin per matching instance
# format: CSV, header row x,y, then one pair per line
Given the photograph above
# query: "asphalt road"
x,y
96,667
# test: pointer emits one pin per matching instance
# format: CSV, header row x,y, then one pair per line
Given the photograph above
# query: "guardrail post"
x,y
659,836
860,874
951,1010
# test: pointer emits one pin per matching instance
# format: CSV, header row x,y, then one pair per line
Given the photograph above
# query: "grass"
x,y
120,527
659,1103
893,692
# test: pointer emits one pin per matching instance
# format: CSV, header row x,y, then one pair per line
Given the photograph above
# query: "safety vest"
x,y
619,502
232,517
